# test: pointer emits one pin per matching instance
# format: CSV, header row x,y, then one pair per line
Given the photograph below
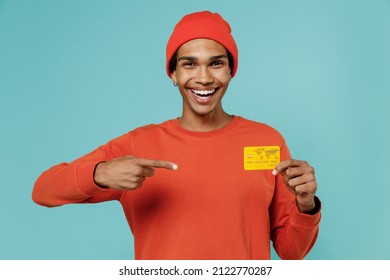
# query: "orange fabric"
x,y
210,208
205,25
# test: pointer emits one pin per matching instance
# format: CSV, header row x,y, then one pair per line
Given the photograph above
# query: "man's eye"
x,y
217,63
188,64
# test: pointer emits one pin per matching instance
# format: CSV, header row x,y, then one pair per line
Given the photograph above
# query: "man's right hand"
x,y
127,173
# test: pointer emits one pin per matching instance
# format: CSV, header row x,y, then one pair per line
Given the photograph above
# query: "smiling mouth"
x,y
203,94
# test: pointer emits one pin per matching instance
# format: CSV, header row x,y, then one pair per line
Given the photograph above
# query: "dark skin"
x,y
128,173
299,178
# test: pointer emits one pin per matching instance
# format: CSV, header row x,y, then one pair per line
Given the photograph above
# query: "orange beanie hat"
x,y
202,25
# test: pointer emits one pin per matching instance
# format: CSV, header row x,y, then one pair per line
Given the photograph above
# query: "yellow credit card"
x,y
261,157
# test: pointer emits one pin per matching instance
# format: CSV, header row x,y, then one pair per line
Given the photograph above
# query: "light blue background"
x,y
75,74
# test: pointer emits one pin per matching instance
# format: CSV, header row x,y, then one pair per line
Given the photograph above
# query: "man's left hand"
x,y
299,177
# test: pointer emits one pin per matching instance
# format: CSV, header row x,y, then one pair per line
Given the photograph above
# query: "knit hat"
x,y
202,25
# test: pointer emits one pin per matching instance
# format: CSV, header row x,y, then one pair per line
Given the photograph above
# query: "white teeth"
x,y
203,92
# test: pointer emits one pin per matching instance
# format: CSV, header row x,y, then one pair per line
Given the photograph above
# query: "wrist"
x,y
307,209
310,208
96,176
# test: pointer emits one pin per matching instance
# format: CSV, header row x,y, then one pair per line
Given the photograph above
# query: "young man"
x,y
207,185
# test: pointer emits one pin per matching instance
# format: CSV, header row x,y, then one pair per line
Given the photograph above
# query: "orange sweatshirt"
x,y
210,208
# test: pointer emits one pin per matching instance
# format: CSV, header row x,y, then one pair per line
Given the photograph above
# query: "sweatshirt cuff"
x,y
307,220
85,181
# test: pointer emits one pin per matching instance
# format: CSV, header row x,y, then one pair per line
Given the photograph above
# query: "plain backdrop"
x,y
75,74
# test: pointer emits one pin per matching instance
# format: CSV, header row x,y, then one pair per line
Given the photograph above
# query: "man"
x,y
207,185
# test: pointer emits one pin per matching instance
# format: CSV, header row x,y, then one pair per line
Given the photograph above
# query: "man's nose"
x,y
203,75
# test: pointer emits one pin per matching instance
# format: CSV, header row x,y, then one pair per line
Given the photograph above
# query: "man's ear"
x,y
173,77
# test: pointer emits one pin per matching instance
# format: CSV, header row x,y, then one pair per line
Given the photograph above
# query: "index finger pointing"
x,y
158,164
283,165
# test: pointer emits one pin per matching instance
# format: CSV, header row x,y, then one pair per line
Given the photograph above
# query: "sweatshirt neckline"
x,y
176,124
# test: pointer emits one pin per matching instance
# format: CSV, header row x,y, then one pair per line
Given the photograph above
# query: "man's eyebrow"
x,y
216,57
190,58
212,58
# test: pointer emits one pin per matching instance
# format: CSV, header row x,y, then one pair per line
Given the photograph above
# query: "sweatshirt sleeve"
x,y
73,182
293,233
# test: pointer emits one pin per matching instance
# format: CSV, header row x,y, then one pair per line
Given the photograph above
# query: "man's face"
x,y
203,75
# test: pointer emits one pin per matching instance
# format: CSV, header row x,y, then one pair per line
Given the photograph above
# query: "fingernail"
x,y
274,172
174,167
